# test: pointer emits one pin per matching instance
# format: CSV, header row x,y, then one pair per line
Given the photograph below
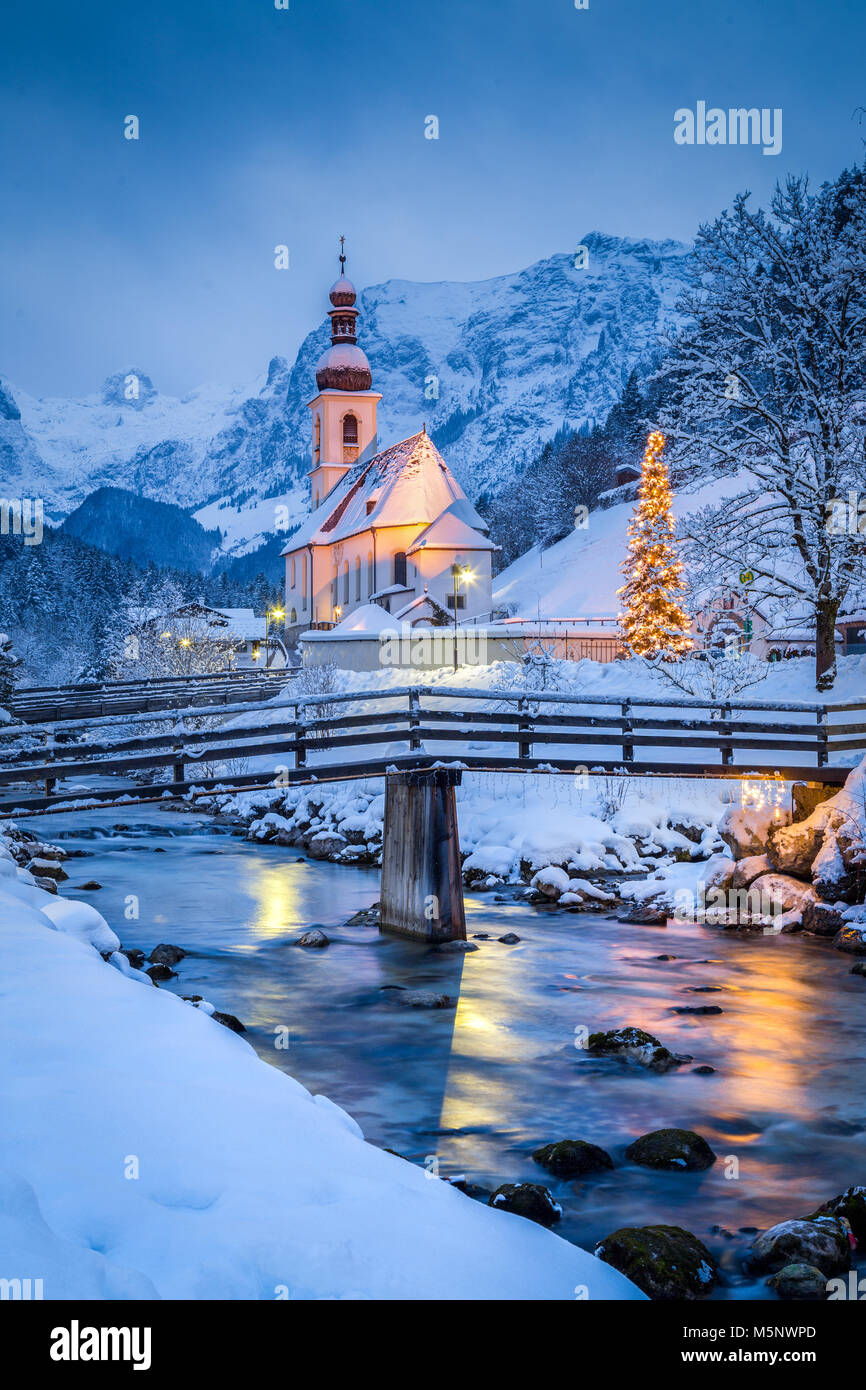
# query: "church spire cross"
x,y
342,255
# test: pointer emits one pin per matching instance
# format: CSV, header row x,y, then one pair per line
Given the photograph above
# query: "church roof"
x,y
409,484
450,532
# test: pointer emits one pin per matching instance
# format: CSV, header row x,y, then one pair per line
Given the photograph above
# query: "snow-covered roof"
x,y
367,621
409,484
450,532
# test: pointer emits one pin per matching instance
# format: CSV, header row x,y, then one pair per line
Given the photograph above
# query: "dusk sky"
x,y
261,127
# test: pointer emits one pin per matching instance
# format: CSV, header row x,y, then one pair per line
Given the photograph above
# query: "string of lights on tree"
x,y
652,620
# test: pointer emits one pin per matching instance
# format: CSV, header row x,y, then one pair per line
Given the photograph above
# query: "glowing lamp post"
x,y
459,572
273,617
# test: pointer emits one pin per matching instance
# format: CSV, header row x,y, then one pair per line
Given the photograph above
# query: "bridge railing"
x,y
363,733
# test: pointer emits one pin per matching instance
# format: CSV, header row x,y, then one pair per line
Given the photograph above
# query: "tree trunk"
x,y
825,643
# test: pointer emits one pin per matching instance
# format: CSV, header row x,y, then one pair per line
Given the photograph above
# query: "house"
x,y
388,528
248,641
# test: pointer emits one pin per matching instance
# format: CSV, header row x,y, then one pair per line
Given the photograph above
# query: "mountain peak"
x,y
131,387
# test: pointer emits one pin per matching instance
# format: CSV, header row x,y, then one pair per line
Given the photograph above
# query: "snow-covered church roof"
x,y
409,484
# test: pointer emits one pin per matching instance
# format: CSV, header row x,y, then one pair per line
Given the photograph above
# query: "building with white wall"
x,y
387,528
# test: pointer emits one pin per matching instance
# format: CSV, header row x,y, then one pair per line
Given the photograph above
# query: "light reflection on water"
x,y
481,1086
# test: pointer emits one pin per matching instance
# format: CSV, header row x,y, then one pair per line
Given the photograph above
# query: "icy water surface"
x,y
480,1087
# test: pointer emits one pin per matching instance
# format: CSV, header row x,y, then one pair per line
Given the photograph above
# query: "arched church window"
x,y
400,567
350,429
317,438
371,574
345,581
293,617
293,572
357,579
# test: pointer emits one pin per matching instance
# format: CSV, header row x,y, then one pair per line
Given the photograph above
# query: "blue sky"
x,y
262,127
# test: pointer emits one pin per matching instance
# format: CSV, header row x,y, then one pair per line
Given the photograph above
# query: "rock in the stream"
x,y
666,1262
133,955
859,968
326,845
852,1205
89,887
674,1149
822,919
799,1282
832,876
634,1045
161,972
367,917
165,954
509,939
570,1158
851,940
454,948
229,1021
47,868
418,998
529,1199
822,1242
313,938
647,915
46,884
780,900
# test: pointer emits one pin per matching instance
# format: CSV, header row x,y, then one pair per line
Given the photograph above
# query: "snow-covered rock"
x,y
746,829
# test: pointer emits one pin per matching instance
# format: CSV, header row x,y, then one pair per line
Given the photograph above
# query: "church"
x,y
391,528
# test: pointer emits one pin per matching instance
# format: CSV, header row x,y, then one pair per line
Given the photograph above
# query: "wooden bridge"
x,y
46,704
421,738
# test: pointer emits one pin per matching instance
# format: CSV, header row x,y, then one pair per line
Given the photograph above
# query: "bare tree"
x,y
770,389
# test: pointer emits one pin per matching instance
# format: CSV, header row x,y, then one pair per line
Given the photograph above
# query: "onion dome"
x,y
344,367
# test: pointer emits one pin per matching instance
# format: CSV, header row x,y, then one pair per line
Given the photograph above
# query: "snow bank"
x,y
148,1152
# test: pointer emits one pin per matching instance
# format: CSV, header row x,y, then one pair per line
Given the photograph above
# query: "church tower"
x,y
344,411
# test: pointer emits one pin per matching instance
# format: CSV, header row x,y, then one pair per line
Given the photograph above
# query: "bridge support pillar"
x,y
422,885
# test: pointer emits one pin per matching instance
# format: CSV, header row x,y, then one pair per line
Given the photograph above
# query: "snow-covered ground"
x,y
146,1152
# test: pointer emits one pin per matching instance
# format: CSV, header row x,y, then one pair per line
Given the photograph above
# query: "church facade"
x,y
392,528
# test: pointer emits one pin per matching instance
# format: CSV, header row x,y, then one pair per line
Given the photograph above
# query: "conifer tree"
x,y
652,620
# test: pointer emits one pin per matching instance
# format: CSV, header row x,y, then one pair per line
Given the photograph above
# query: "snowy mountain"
x,y
494,367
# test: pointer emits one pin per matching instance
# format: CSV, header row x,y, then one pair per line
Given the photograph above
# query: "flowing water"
x,y
475,1089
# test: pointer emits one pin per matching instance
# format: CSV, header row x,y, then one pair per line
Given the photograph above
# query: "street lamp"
x,y
459,572
272,616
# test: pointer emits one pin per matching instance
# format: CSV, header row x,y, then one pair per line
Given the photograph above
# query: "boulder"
x,y
314,938
780,900
666,1262
89,887
807,797
799,1282
571,1158
161,972
509,939
674,1149
851,939
134,956
822,919
850,1204
529,1199
634,1045
859,968
46,884
166,955
747,870
418,998
454,948
229,1021
745,830
832,877
792,849
326,845
649,914
552,882
822,1242
367,917
696,1009
42,867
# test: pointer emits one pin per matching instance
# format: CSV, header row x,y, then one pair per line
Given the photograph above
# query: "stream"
x,y
476,1089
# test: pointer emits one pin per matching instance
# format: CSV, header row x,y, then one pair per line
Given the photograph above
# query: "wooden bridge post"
x,y
823,732
524,727
414,720
422,884
627,745
726,731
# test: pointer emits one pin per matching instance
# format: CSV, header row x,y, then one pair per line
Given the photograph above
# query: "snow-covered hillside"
x,y
578,576
494,368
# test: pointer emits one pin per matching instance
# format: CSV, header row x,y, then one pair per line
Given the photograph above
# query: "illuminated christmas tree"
x,y
652,620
